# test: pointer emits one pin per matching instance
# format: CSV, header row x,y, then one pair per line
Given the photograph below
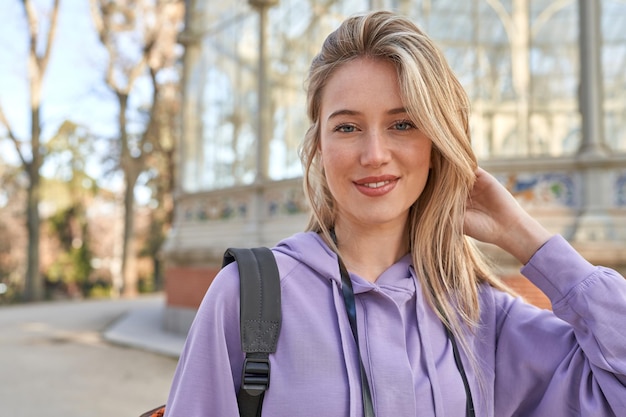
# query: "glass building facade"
x,y
519,60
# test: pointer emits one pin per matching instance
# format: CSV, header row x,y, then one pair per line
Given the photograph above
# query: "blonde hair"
x,y
447,263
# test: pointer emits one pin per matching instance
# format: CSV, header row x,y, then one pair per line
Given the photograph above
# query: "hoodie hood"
x,y
310,249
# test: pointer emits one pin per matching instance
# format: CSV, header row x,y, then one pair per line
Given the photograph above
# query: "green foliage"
x,y
72,267
151,249
71,190
9,293
69,153
11,268
146,284
99,290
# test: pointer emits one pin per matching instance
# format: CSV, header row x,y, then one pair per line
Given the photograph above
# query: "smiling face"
x,y
375,159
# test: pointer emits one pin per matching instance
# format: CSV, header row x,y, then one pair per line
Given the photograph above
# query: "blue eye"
x,y
404,125
345,128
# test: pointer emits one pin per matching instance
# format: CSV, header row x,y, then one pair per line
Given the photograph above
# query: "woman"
x,y
394,185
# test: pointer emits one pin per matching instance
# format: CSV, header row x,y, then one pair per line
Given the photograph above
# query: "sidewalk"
x,y
56,360
142,328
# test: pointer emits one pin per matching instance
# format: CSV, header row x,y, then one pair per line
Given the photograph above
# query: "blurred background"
x,y
89,108
141,138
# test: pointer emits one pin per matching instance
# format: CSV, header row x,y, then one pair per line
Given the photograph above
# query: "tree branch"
x,y
33,27
16,142
100,17
96,17
136,71
43,61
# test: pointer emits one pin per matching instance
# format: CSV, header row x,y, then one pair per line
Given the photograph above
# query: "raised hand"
x,y
494,216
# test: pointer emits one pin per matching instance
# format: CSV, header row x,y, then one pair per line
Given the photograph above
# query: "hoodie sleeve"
x,y
569,362
209,369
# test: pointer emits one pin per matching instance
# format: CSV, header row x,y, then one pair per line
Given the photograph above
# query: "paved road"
x,y
55,363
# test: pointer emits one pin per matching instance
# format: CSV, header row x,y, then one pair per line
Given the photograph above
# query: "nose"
x,y
375,151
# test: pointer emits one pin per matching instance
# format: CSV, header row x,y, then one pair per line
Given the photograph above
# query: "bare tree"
x,y
140,39
161,179
31,152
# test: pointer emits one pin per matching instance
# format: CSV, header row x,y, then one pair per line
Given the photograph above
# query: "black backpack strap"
x,y
260,322
469,401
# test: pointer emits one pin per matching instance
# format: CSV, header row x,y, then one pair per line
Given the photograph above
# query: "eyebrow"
x,y
347,112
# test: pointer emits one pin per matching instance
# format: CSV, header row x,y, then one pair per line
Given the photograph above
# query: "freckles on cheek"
x,y
333,163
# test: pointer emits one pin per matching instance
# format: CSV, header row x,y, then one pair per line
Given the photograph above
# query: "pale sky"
x,y
73,77
73,87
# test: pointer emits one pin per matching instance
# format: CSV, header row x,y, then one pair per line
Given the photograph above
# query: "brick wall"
x,y
185,286
527,290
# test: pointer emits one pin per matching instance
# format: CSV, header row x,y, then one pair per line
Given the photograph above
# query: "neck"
x,y
369,252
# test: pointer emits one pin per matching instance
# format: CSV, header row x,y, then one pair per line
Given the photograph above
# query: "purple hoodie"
x,y
532,362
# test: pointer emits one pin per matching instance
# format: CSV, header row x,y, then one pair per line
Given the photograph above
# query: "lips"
x,y
376,186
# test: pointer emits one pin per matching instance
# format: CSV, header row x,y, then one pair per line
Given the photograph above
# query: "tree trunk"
x,y
129,269
130,169
34,283
34,289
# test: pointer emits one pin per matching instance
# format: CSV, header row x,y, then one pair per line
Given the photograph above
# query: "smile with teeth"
x,y
376,184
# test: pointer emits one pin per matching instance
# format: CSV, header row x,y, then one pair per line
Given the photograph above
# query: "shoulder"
x,y
301,254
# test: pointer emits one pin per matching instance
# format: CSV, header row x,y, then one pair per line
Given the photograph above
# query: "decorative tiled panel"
x,y
278,199
285,201
215,208
549,189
